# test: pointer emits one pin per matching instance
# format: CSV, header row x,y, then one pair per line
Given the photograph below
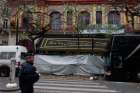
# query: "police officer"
x,y
27,76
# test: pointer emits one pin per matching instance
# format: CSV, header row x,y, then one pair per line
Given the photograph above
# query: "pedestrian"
x,y
28,76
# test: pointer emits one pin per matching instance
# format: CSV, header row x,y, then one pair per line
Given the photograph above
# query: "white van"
x,y
9,52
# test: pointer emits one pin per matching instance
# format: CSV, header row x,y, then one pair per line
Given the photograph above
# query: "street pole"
x,y
17,24
17,35
12,83
13,70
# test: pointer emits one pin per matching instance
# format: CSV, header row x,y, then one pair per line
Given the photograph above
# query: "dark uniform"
x,y
27,77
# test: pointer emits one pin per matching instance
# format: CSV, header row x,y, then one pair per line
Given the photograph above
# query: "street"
x,y
72,46
85,86
72,86
79,86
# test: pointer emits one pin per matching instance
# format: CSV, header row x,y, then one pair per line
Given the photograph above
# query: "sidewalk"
x,y
69,77
6,80
3,82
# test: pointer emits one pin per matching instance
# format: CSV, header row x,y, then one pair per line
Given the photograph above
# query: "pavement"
x,y
4,81
73,84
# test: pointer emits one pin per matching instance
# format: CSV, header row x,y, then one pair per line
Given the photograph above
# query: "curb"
x,y
9,90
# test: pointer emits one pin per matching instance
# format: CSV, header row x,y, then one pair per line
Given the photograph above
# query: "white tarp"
x,y
67,65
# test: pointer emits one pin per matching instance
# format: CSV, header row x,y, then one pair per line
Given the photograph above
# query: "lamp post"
x,y
17,24
17,35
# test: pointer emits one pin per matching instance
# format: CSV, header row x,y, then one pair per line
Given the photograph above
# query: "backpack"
x,y
36,77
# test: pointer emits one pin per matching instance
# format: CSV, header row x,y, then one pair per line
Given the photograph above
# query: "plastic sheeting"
x,y
69,65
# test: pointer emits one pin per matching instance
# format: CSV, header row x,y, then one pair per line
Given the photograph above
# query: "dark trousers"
x,y
26,88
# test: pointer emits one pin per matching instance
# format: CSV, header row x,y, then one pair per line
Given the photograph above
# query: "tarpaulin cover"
x,y
69,65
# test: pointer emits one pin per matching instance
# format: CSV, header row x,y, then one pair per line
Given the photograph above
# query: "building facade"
x,y
69,15
66,15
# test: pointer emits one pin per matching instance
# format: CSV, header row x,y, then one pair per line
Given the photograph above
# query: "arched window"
x,y
55,21
83,20
98,17
113,17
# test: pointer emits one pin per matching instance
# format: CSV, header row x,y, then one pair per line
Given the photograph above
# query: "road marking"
x,y
70,82
69,85
54,86
75,89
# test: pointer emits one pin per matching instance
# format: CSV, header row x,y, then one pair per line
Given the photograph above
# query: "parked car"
x,y
11,52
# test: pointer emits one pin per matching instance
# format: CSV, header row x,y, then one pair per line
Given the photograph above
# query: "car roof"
x,y
13,49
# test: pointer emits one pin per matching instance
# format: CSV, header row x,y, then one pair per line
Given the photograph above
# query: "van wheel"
x,y
4,71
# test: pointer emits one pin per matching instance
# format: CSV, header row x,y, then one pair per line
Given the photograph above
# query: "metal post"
x,y
17,36
12,83
17,24
13,69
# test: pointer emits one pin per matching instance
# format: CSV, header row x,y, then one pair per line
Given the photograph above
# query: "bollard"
x,y
12,83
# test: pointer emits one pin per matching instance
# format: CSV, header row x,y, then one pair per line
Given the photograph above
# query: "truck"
x,y
124,56
11,52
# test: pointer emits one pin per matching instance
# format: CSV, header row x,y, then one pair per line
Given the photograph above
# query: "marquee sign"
x,y
75,44
66,43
